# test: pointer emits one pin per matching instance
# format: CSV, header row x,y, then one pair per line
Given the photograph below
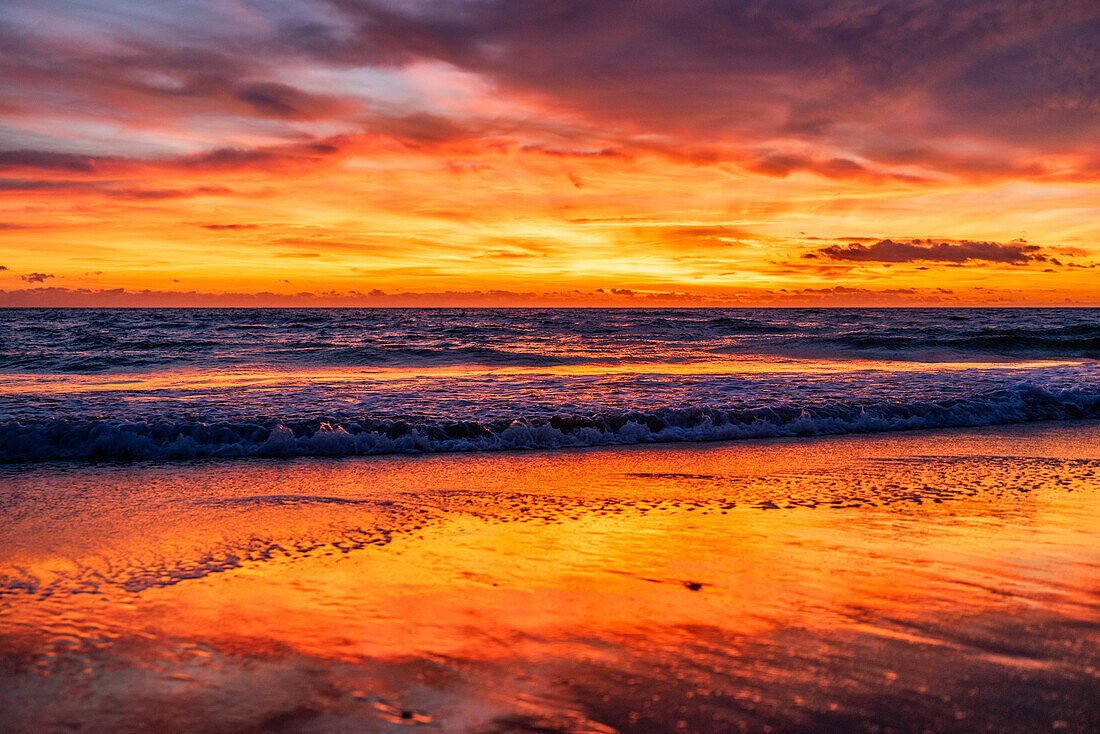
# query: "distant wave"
x,y
83,439
458,355
868,346
1079,342
106,340
139,355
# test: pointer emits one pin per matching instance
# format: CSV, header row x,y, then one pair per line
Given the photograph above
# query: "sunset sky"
x,y
515,152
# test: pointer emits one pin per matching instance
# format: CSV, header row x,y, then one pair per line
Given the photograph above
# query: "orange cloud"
x,y
521,147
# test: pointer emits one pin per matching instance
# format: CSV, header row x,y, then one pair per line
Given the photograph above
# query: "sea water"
x,y
108,384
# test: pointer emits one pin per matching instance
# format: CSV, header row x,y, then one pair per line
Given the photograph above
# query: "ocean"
x,y
132,384
506,521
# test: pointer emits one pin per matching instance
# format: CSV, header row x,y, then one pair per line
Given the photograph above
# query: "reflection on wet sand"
x,y
942,581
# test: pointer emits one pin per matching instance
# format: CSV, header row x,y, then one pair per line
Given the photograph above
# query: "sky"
x,y
550,152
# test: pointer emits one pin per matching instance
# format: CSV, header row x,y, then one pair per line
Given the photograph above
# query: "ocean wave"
x,y
1080,342
90,341
106,440
443,355
183,353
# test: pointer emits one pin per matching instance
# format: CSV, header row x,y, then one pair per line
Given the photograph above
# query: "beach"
x,y
940,580
571,367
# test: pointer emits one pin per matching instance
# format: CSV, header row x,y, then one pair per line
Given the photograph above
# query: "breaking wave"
x,y
115,439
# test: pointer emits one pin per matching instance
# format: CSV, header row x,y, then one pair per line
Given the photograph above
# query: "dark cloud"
x,y
31,184
556,153
140,194
773,163
865,83
3,268
51,161
229,159
148,75
220,227
110,189
956,252
226,158
781,164
36,277
422,129
288,103
1003,69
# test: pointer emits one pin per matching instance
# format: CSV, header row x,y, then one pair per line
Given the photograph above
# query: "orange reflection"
x,y
272,379
463,589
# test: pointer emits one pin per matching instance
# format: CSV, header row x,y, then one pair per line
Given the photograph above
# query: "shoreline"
x,y
941,579
755,440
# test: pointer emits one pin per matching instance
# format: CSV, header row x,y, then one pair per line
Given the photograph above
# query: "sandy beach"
x,y
569,367
941,580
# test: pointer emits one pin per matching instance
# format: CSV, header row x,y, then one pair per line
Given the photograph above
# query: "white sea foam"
x,y
167,384
82,439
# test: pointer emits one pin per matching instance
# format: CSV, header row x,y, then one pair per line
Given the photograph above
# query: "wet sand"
x,y
940,580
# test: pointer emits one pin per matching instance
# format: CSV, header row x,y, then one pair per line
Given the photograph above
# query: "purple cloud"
x,y
863,83
47,160
961,251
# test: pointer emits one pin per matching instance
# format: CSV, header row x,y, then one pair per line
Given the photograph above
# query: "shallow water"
x,y
944,580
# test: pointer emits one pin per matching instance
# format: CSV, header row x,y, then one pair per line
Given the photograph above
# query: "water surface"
x,y
184,383
942,580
